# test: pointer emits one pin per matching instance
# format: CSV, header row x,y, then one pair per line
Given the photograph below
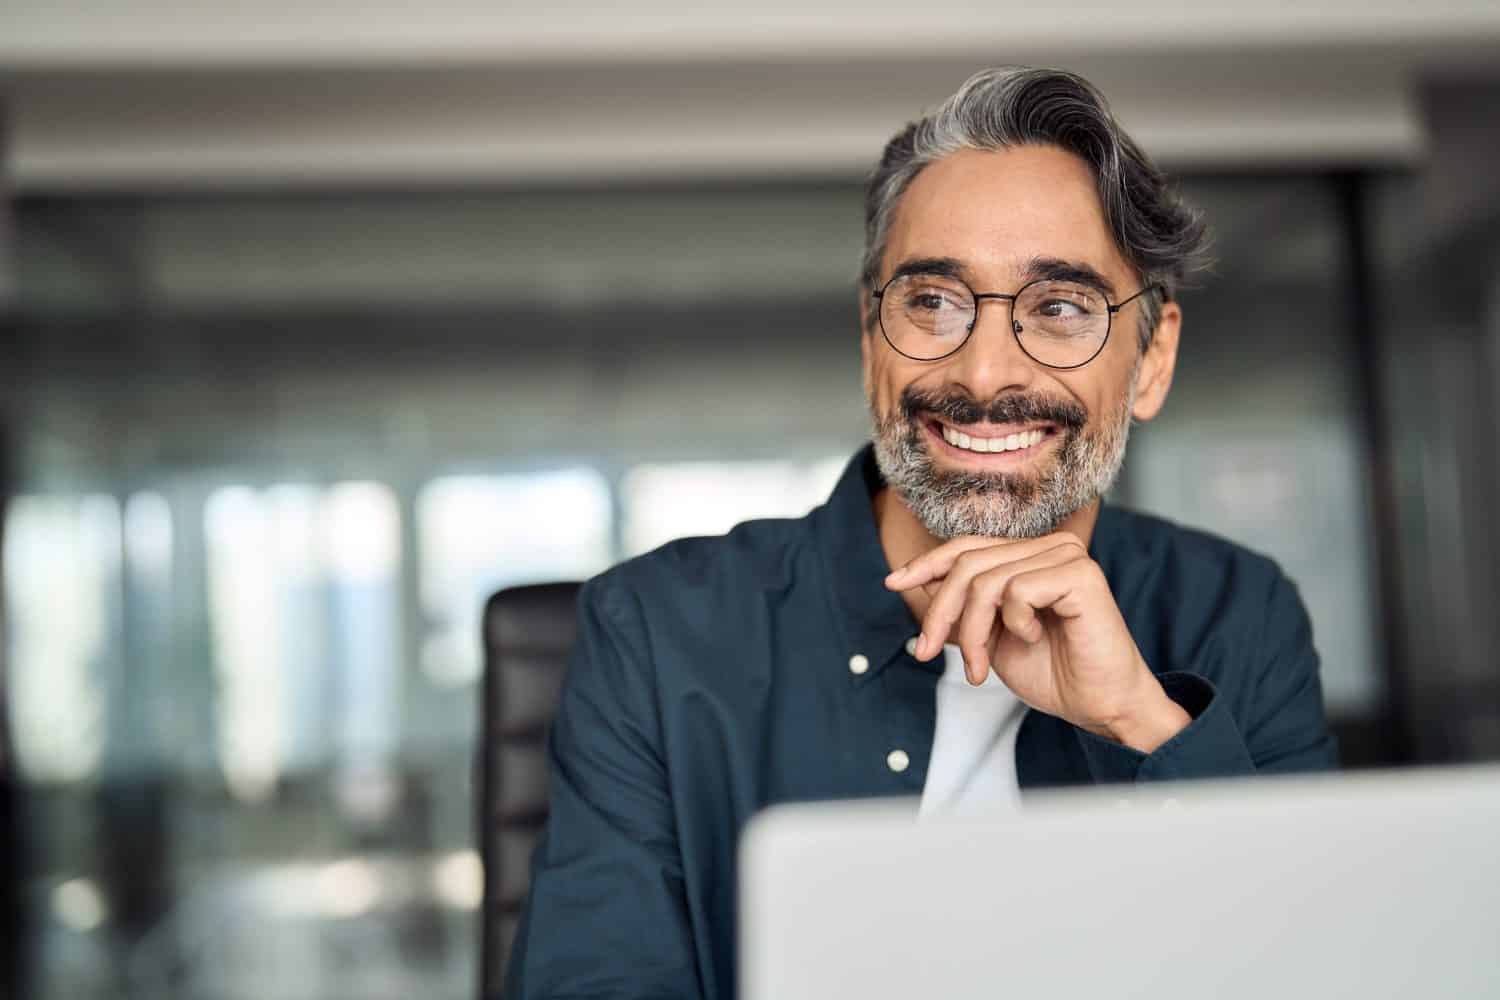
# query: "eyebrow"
x,y
1057,269
1037,268
948,267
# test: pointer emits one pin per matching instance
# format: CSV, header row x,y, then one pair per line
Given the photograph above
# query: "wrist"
x,y
1151,721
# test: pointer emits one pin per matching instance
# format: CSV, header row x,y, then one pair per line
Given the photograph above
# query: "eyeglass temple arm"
x,y
1144,289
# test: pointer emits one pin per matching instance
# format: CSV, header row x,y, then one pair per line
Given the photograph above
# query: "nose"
x,y
991,361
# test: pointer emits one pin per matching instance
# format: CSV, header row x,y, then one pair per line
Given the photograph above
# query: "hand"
x,y
1040,612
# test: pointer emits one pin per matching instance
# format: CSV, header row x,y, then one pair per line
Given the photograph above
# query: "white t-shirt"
x,y
973,764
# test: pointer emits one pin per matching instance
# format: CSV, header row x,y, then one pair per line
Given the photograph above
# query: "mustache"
x,y
958,408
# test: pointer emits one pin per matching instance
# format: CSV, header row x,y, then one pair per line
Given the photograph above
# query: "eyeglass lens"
x,y
1058,323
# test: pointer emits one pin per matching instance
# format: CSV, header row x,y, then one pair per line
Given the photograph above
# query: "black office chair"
x,y
528,634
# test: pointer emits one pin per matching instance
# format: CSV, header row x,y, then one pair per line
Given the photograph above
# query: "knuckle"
x,y
1020,589
991,583
1068,540
1089,574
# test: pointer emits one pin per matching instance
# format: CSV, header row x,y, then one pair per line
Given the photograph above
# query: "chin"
x,y
979,515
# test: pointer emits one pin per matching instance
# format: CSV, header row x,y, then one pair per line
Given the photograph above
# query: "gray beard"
x,y
951,504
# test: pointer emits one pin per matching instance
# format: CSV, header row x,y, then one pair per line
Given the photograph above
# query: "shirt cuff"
x,y
1210,746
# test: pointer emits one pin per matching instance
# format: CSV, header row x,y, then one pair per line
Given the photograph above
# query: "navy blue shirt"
x,y
711,678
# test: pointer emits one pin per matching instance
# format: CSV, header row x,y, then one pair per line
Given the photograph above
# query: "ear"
x,y
1154,379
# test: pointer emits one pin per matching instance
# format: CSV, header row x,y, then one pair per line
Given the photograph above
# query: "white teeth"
x,y
1010,442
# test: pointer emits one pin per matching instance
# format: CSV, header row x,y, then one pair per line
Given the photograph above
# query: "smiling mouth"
x,y
992,440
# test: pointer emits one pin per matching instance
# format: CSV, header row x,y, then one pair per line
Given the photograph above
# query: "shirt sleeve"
x,y
1281,725
606,916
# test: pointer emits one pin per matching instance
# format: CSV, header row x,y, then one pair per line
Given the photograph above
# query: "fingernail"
x,y
921,645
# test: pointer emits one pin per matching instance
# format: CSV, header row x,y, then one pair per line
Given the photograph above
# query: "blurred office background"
x,y
321,322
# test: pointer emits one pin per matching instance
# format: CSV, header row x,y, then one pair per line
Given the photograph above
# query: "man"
x,y
964,619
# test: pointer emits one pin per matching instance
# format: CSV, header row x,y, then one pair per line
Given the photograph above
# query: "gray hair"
x,y
1163,238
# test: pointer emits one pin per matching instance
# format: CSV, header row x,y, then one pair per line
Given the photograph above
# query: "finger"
x,y
1065,591
975,628
1020,619
946,607
939,562
922,569
988,594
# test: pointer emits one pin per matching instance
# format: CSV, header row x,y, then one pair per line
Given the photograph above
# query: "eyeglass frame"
x,y
1015,331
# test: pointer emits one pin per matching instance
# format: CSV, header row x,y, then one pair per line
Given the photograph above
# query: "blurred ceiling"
x,y
550,249
217,94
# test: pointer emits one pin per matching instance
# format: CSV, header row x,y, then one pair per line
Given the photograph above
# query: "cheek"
x,y
1104,385
890,380
880,387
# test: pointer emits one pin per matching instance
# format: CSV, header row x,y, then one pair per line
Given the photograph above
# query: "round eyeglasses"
x,y
1059,324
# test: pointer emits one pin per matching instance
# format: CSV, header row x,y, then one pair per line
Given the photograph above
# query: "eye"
x,y
922,306
931,300
1063,308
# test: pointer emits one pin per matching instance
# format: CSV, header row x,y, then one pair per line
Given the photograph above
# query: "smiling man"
x,y
965,619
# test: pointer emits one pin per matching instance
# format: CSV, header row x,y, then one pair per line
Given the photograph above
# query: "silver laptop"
x,y
1377,885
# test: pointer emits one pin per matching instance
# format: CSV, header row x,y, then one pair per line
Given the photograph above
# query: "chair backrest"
x,y
528,634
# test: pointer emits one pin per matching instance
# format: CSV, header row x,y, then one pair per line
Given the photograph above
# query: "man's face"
x,y
995,217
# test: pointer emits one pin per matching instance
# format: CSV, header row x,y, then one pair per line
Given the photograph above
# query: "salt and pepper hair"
x,y
1161,237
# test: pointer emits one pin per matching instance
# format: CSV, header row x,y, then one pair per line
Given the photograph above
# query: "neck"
x,y
903,538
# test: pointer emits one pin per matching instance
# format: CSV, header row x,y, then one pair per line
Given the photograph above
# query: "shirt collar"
x,y
877,622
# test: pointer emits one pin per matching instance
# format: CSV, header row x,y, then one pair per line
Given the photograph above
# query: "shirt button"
x,y
859,663
897,761
911,646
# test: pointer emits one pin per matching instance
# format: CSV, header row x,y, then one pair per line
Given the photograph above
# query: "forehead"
x,y
997,210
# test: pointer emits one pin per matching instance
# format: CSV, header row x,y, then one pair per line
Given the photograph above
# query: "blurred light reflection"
x,y
667,501
247,561
458,880
62,581
349,888
79,905
480,533
304,602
